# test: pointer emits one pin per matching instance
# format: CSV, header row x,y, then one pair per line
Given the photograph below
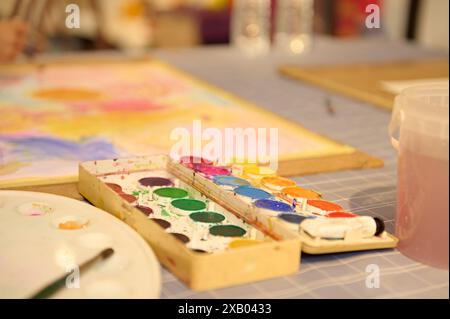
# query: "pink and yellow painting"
x,y
55,117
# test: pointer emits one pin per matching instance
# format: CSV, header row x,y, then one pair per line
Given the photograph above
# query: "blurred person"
x,y
13,35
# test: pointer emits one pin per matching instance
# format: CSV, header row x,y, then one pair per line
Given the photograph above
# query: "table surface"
x,y
371,192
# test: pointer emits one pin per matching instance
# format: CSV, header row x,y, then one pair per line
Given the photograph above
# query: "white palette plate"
x,y
34,250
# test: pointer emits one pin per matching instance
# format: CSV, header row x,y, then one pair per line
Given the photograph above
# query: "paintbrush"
x,y
329,106
34,43
30,51
60,283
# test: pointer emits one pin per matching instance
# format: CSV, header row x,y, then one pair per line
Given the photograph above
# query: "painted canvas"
x,y
52,118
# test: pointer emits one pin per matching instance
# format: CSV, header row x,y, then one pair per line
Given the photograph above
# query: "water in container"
x,y
421,118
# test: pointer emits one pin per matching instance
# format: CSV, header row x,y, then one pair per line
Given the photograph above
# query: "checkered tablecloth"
x,y
371,192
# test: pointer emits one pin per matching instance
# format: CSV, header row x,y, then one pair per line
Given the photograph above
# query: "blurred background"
x,y
143,24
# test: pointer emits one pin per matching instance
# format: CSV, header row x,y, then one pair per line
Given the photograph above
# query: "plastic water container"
x,y
420,121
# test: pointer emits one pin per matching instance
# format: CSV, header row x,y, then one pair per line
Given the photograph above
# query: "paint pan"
x,y
128,197
255,173
276,183
154,182
201,222
118,189
229,182
190,161
207,217
227,231
161,222
146,210
209,171
292,221
115,187
166,194
181,237
341,215
238,167
299,193
250,194
299,196
187,206
270,207
321,207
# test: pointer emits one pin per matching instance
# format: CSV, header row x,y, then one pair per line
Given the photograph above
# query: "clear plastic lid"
x,y
423,110
426,101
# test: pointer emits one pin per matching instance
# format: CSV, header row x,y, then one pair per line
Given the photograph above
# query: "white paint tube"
x,y
338,228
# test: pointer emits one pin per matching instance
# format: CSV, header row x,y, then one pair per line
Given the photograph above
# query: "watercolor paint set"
x,y
275,202
45,237
195,231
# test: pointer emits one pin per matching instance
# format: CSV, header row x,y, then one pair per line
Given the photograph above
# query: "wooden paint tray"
x,y
201,258
309,244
